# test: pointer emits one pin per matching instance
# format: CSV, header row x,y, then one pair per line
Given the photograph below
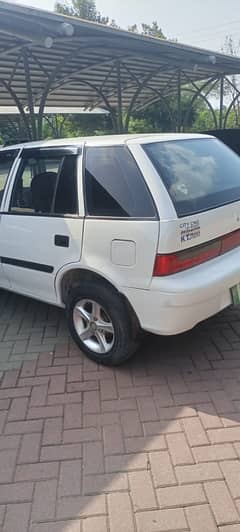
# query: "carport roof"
x,y
46,58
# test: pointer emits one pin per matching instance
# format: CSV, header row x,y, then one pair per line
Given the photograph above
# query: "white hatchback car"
x,y
125,232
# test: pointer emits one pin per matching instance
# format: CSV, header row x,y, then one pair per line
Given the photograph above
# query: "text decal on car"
x,y
189,230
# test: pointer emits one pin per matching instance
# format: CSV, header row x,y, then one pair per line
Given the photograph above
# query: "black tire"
x,y
125,331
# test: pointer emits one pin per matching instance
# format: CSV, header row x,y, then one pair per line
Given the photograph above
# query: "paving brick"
x,y
120,512
9,442
161,520
213,453
93,458
10,379
52,433
209,417
42,412
179,449
59,526
126,462
174,412
4,404
16,492
44,501
85,386
198,473
2,514
222,402
161,427
28,368
224,435
91,402
141,491
200,518
105,483
17,517
61,452
162,395
18,409
145,443
57,384
94,524
23,427
190,398
99,420
119,405
131,424
11,393
82,435
70,478
108,389
40,471
3,416
229,528
162,469
147,409
61,370
7,465
30,448
72,416
75,507
74,373
134,391
65,398
221,503
231,472
194,431
39,395
33,381
113,440
176,496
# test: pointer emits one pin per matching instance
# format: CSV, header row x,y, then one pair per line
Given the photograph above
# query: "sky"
x,y
203,23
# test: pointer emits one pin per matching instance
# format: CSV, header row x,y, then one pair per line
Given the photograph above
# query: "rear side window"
x,y
114,184
199,174
6,161
45,185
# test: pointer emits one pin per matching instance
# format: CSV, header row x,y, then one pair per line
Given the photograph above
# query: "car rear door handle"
x,y
62,241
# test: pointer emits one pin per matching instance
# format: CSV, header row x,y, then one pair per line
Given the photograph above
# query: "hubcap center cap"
x,y
93,326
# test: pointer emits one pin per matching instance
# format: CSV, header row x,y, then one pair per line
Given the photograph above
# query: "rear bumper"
x,y
176,303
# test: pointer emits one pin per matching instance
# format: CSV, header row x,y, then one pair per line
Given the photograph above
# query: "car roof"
x,y
105,140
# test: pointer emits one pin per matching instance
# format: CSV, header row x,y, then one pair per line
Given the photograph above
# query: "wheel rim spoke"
x,y
104,346
96,310
105,327
85,335
83,313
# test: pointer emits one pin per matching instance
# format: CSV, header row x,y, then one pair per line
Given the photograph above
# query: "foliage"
x,y
85,9
150,30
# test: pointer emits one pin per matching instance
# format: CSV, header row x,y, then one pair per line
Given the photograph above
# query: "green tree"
x,y
85,9
150,30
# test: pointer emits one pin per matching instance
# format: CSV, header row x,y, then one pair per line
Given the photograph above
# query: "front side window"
x,y
7,159
199,174
114,184
45,185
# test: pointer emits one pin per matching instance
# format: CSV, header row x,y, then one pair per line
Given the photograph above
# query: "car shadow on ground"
x,y
98,448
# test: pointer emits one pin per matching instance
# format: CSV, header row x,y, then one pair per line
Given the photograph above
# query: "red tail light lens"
x,y
183,260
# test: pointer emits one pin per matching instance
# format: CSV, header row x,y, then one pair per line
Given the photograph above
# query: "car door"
x,y
7,160
41,229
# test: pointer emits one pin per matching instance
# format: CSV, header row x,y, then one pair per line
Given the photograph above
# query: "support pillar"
x,y
119,96
179,103
221,102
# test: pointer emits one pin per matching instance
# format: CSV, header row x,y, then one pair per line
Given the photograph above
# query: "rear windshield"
x,y
199,174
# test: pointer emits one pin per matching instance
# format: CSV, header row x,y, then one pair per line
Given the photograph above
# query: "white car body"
x,y
122,251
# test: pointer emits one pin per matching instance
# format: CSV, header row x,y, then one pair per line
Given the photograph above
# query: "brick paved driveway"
x,y
152,446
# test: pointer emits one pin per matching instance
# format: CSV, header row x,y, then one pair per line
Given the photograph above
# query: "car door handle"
x,y
62,241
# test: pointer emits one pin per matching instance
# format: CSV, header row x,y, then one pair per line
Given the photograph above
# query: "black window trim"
x,y
104,217
49,152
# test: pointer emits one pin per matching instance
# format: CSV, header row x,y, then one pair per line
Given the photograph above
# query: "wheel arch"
x,y
74,276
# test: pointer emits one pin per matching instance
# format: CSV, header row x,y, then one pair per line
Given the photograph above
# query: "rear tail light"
x,y
183,260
